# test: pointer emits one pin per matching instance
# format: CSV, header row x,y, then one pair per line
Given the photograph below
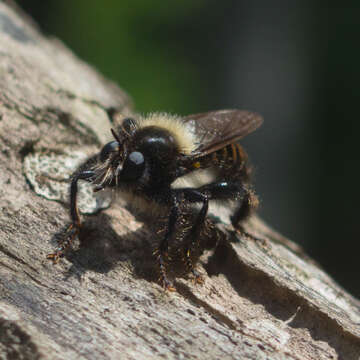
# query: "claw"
x,y
54,257
167,285
163,280
197,279
72,231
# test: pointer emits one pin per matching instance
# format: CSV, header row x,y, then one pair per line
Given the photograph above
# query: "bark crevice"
x,y
261,299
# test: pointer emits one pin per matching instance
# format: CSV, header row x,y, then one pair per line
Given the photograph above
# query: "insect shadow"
x,y
100,248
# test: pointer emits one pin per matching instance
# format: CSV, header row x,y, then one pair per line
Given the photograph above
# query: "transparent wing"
x,y
217,129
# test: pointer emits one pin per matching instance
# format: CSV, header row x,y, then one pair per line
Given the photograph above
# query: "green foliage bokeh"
x,y
135,44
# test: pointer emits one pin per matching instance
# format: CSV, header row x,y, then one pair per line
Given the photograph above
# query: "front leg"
x,y
162,253
73,230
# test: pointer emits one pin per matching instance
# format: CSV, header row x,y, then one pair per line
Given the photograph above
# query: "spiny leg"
x,y
73,230
248,205
194,195
162,253
220,191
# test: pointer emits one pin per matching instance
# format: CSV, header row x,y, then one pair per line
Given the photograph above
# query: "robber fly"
x,y
165,164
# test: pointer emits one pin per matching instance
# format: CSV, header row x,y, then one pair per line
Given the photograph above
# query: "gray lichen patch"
x,y
49,175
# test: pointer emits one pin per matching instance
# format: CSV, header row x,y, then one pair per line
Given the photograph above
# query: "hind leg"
x,y
248,205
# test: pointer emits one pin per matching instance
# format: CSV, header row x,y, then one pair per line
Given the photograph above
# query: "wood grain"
x,y
261,299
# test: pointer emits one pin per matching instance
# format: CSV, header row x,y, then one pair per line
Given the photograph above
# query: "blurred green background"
x,y
297,63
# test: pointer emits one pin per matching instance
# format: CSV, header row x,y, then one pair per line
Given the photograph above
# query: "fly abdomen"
x,y
229,157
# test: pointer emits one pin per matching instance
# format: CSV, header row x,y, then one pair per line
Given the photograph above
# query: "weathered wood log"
x,y
260,300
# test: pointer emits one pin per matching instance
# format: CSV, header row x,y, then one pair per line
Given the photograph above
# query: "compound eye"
x,y
109,148
134,166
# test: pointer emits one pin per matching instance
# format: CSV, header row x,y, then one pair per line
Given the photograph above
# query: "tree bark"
x,y
261,299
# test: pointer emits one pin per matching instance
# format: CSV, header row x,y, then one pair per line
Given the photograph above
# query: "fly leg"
x,y
220,191
248,204
73,230
163,252
195,196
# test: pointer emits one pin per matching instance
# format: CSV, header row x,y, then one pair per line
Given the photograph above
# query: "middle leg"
x,y
215,191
